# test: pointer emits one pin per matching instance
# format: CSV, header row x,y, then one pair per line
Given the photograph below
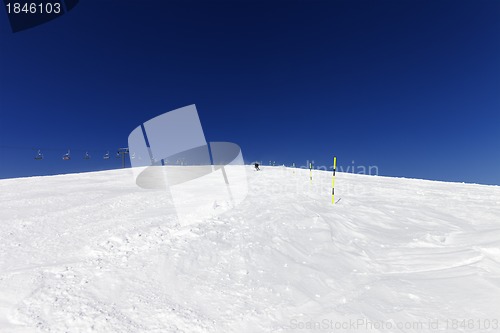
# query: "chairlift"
x,y
118,154
106,156
39,155
132,156
87,156
66,156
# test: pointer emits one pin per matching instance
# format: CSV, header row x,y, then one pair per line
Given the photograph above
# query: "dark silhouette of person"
x,y
256,166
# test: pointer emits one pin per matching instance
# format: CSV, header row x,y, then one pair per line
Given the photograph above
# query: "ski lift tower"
x,y
122,152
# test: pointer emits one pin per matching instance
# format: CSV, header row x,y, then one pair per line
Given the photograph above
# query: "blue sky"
x,y
412,87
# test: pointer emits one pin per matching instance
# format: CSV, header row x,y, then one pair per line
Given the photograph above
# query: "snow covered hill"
x,y
95,253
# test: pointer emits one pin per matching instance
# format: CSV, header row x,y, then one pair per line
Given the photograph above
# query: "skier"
x,y
256,166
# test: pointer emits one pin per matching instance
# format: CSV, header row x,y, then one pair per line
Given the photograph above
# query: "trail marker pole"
x,y
310,171
333,178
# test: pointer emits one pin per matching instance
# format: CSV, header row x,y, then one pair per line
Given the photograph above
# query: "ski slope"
x,y
93,252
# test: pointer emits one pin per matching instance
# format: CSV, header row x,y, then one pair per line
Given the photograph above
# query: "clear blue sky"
x,y
412,87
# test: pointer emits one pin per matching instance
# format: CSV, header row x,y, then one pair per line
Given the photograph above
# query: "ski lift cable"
x,y
41,148
121,152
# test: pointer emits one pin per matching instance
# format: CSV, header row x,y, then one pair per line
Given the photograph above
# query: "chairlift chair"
x,y
87,156
66,156
39,156
106,156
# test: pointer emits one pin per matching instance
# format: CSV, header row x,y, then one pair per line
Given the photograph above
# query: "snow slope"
x,y
94,253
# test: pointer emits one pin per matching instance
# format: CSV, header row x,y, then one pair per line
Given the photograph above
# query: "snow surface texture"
x,y
93,252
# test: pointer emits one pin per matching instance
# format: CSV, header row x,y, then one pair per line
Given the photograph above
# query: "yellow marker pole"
x,y
333,178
